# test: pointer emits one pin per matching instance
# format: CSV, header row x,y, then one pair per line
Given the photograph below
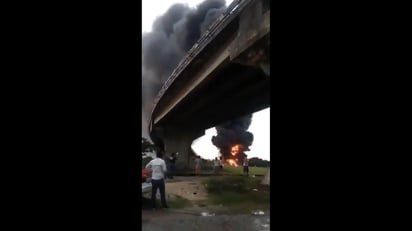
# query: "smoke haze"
x,y
172,35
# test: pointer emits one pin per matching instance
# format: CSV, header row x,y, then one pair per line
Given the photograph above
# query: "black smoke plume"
x,y
234,133
172,35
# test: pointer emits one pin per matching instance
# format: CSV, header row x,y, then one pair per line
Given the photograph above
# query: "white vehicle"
x,y
146,188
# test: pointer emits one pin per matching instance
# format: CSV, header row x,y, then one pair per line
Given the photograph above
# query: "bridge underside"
x,y
228,80
217,100
220,99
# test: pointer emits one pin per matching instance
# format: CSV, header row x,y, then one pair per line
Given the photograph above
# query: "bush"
x,y
258,162
229,184
146,160
236,191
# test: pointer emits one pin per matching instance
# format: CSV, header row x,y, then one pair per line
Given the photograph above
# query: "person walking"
x,y
159,169
221,163
216,166
198,168
167,158
246,166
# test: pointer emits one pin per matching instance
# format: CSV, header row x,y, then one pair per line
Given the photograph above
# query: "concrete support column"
x,y
178,140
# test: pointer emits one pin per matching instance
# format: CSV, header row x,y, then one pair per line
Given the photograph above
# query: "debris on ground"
x,y
206,214
258,212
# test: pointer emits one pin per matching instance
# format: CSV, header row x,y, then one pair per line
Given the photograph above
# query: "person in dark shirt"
x,y
246,166
198,166
221,163
172,163
216,166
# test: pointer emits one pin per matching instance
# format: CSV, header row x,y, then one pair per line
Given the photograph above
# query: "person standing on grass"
x,y
166,158
216,166
246,166
198,168
221,163
159,169
172,163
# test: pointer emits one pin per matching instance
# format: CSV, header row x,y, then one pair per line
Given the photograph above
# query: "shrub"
x,y
236,184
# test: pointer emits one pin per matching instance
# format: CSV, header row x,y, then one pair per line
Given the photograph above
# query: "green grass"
x,y
145,161
239,170
236,193
178,202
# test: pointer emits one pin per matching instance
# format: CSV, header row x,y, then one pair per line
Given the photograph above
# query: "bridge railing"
x,y
213,30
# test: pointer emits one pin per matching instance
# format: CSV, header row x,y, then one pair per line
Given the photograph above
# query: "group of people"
x,y
218,166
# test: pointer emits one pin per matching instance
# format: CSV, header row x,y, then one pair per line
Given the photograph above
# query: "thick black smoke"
x,y
173,34
232,133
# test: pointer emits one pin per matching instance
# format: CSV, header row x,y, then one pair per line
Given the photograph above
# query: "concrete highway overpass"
x,y
224,76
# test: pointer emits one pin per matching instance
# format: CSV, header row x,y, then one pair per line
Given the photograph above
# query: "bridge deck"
x,y
232,12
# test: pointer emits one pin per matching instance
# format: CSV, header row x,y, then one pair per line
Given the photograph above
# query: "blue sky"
x,y
203,146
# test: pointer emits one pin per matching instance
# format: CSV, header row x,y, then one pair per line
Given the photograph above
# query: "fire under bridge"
x,y
224,76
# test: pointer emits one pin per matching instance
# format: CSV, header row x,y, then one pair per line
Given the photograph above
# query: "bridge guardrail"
x,y
231,12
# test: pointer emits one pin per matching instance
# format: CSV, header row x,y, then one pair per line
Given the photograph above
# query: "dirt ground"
x,y
189,188
171,221
191,218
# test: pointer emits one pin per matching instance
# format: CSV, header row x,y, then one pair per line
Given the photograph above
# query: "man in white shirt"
x,y
159,169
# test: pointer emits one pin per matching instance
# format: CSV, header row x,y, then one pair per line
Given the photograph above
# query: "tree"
x,y
258,162
147,146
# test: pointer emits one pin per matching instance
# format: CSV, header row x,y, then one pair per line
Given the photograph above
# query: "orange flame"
x,y
235,149
232,162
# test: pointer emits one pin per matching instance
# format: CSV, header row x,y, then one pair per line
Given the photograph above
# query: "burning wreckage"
x,y
233,140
